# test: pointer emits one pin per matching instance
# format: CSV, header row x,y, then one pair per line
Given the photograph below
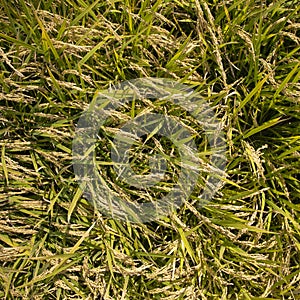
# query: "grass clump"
x,y
242,56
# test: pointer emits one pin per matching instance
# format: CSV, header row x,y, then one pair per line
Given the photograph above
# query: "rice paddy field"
x,y
242,57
